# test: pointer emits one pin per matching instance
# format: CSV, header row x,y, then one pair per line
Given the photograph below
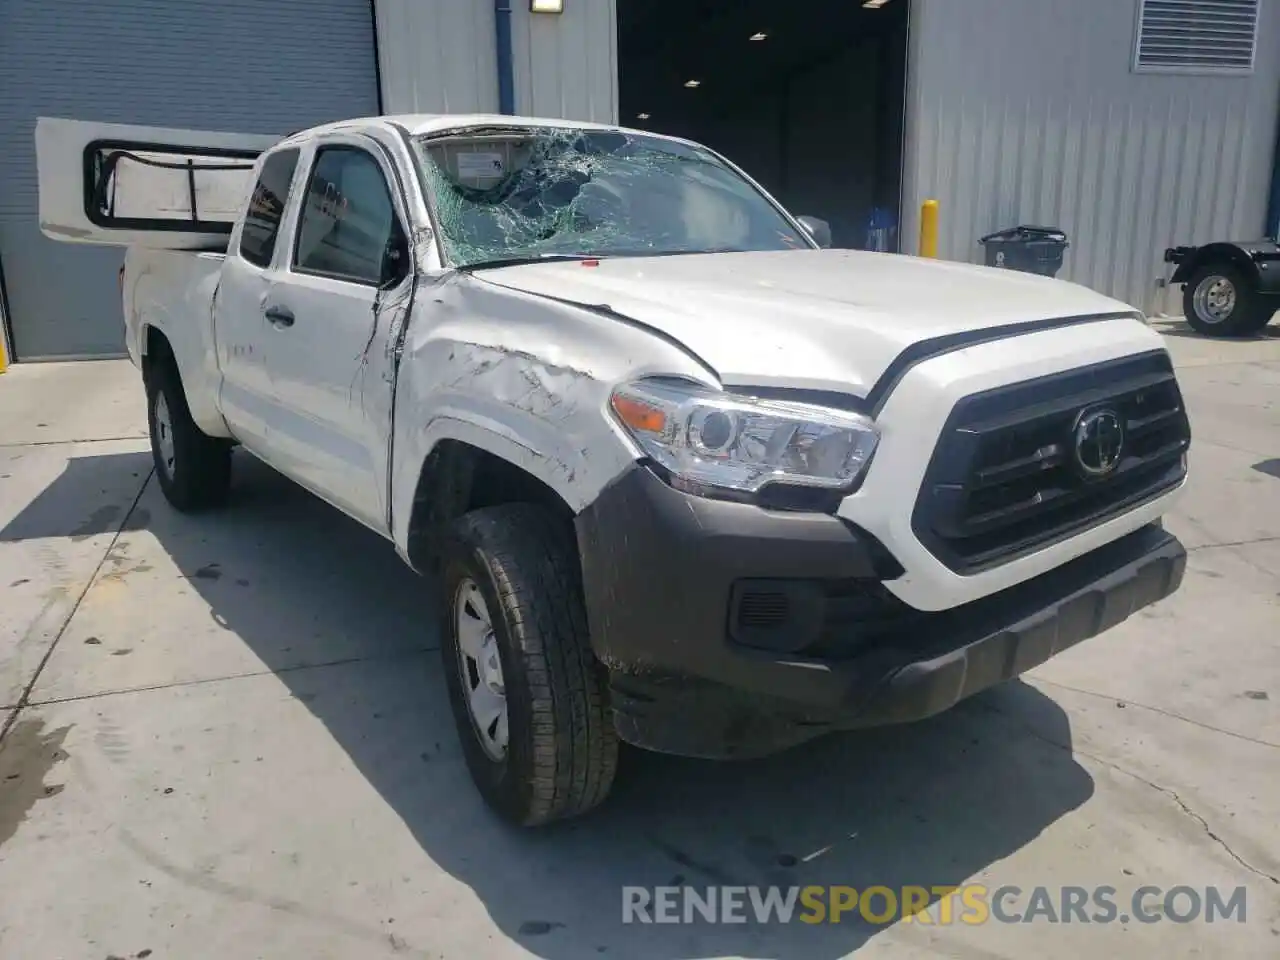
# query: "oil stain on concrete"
x,y
27,755
101,520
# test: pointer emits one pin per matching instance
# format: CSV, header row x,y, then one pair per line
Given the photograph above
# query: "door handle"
x,y
279,316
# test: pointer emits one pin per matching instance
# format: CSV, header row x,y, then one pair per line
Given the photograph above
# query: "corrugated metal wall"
x,y
438,56
1028,112
567,65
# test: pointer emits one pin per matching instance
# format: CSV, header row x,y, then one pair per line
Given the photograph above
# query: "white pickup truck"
x,y
681,476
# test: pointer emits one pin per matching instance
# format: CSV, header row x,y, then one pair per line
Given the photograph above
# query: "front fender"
x,y
577,466
521,377
1258,260
576,463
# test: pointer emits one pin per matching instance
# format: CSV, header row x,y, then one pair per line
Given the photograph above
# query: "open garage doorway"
x,y
807,96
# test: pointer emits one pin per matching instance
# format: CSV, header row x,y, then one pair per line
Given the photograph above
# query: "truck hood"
x,y
823,320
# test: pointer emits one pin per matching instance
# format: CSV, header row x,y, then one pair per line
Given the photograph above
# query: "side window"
x,y
347,217
262,222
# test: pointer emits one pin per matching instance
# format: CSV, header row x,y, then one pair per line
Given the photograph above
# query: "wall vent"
x,y
1196,36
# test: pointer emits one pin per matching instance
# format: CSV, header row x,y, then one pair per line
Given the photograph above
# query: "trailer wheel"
x,y
1219,301
192,468
529,698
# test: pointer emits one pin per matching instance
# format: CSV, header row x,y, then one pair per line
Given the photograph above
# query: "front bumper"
x,y
730,630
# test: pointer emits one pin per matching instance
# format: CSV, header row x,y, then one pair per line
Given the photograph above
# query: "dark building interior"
x,y
807,96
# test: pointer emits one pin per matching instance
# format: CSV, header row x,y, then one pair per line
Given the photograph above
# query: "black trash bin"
x,y
1029,249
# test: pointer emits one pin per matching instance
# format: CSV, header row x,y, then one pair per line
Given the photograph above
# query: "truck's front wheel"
x,y
192,468
528,696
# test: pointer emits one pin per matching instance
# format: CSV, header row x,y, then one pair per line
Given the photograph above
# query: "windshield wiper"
x,y
520,261
615,254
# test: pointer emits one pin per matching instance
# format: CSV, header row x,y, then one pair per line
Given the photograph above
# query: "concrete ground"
x,y
231,738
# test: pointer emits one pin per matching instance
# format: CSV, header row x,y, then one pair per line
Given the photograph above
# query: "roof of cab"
x,y
425,124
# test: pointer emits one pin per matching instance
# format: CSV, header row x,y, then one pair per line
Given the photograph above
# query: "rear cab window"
x,y
266,207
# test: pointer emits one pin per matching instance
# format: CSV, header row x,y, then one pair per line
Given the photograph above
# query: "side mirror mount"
x,y
395,259
820,230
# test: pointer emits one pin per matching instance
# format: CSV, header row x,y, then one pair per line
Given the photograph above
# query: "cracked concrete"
x,y
234,739
1182,804
1122,703
1234,543
1208,830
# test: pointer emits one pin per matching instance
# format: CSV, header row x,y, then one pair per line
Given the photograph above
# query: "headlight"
x,y
708,438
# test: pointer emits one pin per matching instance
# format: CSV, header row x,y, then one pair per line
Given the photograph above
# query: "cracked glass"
x,y
526,194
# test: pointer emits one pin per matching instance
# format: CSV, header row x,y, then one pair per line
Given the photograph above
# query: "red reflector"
x,y
590,263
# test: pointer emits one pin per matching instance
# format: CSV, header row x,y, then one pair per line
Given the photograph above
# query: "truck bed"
x,y
171,291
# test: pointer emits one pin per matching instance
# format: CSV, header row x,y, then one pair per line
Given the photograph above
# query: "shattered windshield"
x,y
511,195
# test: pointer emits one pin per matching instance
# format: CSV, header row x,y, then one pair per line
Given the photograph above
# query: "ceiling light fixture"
x,y
546,6
642,116
758,36
693,83
875,4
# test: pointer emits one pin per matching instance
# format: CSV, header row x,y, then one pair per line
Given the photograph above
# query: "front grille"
x,y
1006,479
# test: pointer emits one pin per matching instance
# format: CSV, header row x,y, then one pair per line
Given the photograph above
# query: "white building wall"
x,y
566,65
439,56
1029,112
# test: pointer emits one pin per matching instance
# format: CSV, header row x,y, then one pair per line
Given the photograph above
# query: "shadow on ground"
x,y
1180,328
88,498
929,804
1270,467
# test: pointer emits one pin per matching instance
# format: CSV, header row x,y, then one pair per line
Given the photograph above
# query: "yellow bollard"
x,y
929,229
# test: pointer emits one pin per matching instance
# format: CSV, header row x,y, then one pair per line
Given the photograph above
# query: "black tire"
x,y
198,476
1250,312
562,751
1268,305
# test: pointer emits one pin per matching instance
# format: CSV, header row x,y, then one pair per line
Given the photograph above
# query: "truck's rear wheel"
x,y
192,468
528,696
1219,301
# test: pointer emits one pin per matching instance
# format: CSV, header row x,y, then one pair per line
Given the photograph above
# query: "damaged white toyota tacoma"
x,y
683,477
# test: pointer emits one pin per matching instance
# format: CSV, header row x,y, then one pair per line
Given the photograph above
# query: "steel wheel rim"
x,y
164,434
1215,299
480,669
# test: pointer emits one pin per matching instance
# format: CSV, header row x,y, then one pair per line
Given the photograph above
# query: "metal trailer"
x,y
1230,288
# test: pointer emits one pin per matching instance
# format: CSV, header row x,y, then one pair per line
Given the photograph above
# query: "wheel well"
x,y
155,349
458,478
1216,253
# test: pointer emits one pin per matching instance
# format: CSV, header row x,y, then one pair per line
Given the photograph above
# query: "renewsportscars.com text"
x,y
972,904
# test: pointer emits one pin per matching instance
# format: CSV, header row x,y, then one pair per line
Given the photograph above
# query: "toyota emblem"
x,y
1099,443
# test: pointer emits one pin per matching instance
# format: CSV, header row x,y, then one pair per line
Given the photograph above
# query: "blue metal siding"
x,y
253,66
